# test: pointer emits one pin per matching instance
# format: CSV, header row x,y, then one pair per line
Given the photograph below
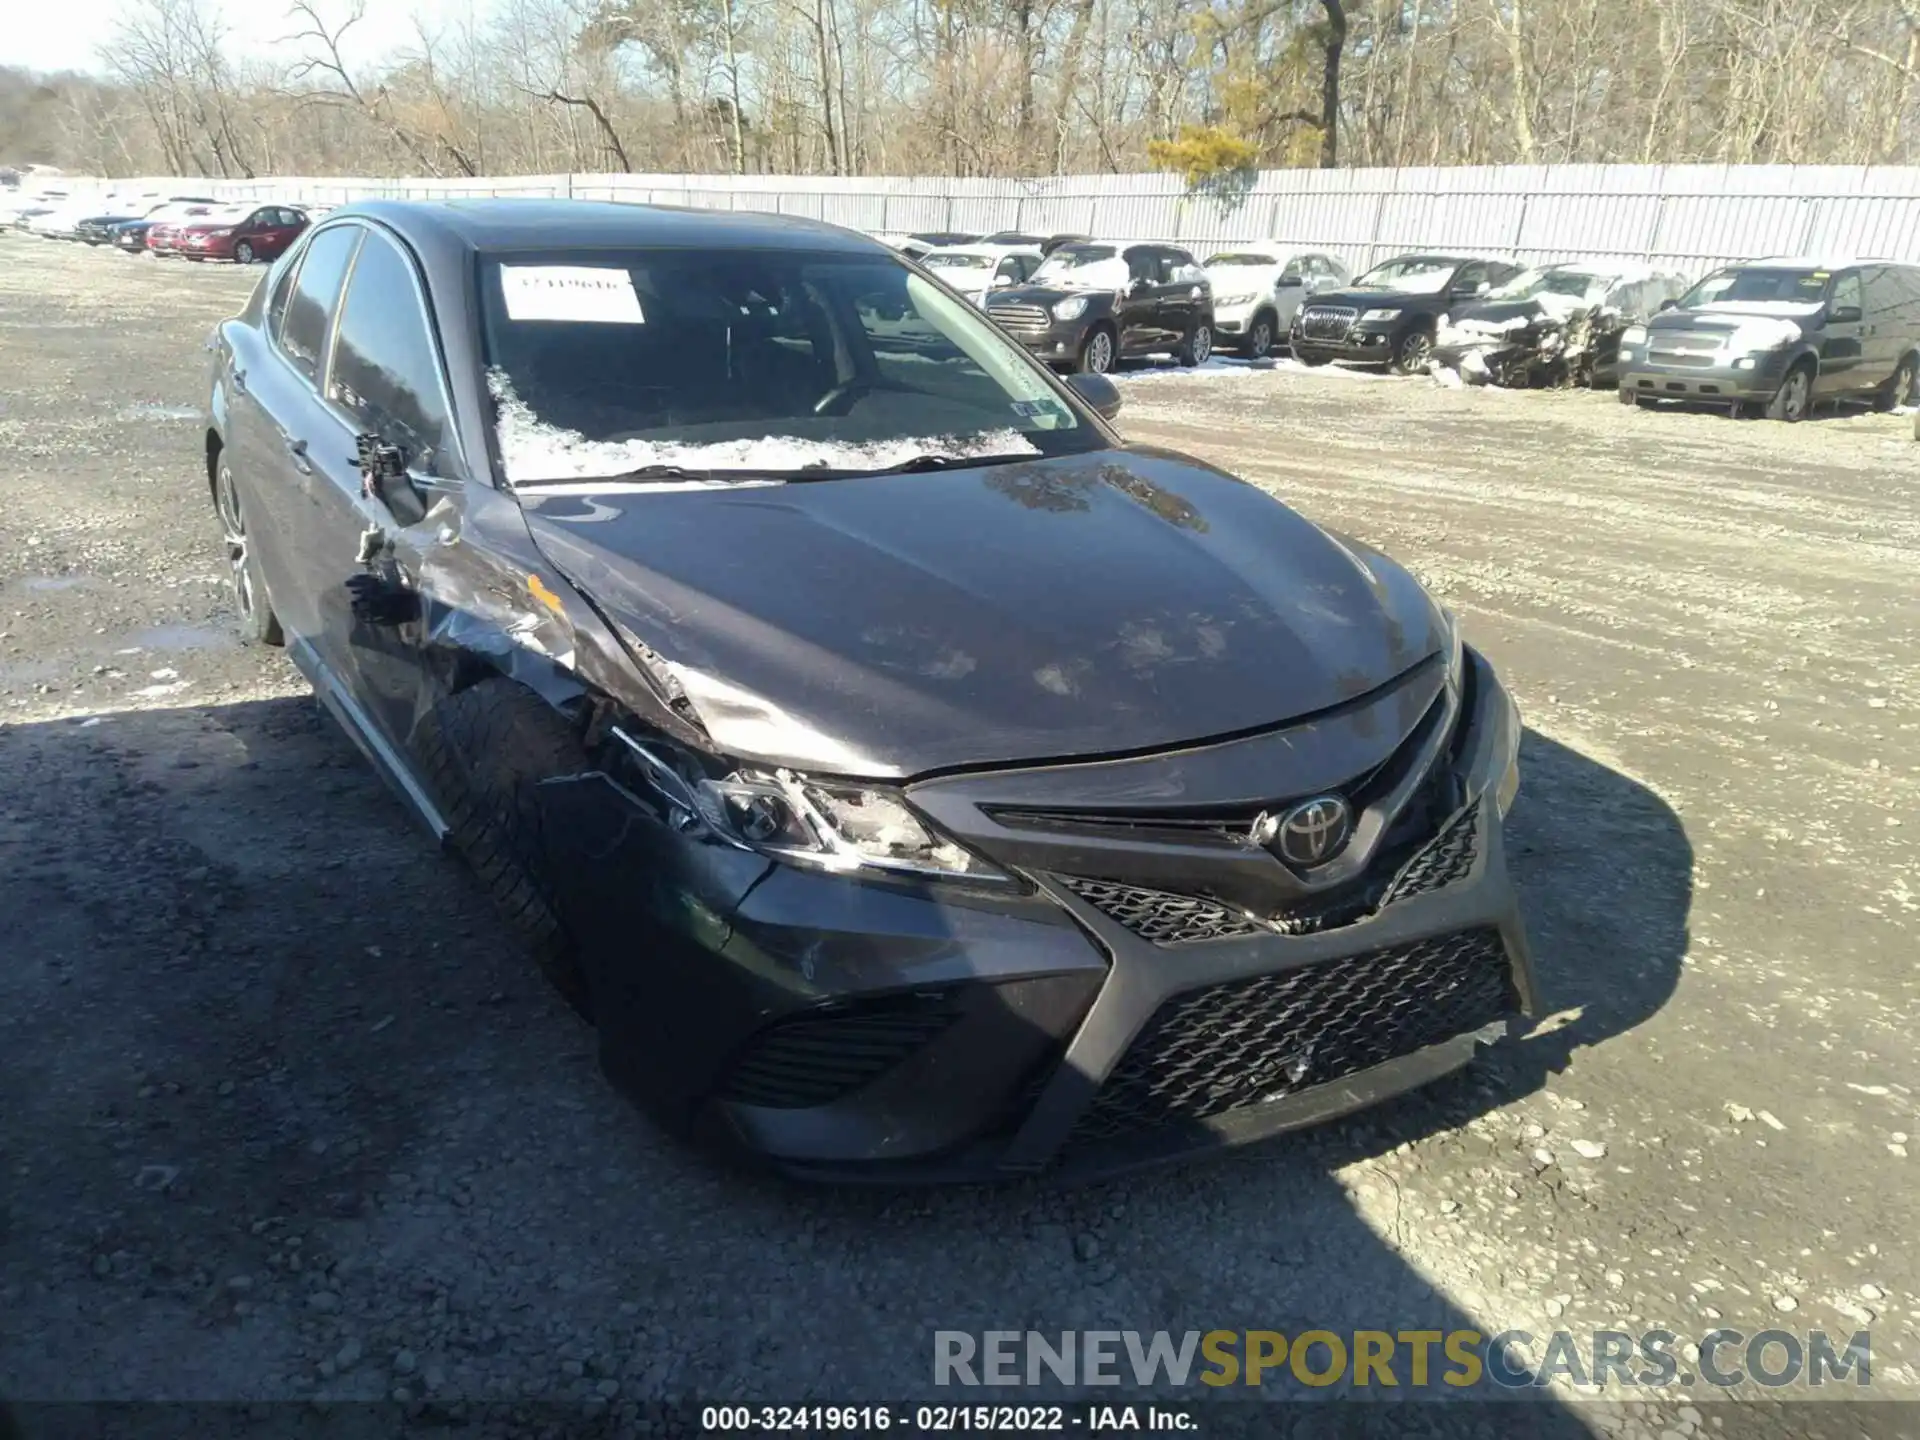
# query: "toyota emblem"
x,y
1309,834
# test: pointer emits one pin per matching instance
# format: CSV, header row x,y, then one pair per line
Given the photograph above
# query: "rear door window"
x,y
386,367
316,293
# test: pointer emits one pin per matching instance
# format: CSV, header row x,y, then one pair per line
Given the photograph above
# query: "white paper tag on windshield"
x,y
591,294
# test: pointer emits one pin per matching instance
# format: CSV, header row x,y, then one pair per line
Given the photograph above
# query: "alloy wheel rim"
x,y
1262,340
1100,353
244,253
1202,345
1415,353
234,528
1796,394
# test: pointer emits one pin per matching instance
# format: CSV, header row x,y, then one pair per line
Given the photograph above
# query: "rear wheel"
x,y
252,608
483,751
243,253
1795,395
1096,351
1198,346
1898,390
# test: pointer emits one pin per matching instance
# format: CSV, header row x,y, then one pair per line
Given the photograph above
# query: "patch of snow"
x,y
534,450
1760,332
1561,307
1799,308
1448,377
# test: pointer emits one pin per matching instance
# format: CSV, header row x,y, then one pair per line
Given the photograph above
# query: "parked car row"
x,y
1776,335
194,227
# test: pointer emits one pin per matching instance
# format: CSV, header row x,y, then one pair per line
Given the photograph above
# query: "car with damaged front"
x,y
1552,325
907,777
1389,315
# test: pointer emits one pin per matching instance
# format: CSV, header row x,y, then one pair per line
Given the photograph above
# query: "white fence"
x,y
1688,217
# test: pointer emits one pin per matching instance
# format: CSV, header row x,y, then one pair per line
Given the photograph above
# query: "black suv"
x,y
1781,335
1089,305
1388,316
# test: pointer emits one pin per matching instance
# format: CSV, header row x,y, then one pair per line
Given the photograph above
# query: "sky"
x,y
67,34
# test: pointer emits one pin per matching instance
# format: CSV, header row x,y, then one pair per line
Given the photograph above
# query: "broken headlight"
x,y
826,824
834,826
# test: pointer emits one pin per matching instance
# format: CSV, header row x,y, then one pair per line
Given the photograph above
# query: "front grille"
x,y
1229,1046
1020,317
1165,918
826,1055
1327,322
1685,349
1158,916
1446,861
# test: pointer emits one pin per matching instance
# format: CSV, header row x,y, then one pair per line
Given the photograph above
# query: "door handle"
x,y
298,450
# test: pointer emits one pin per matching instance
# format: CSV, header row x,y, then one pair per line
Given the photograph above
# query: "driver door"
x,y
1842,337
370,552
1138,309
1470,282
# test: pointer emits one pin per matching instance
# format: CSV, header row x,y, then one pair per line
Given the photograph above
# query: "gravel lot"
x,y
283,1115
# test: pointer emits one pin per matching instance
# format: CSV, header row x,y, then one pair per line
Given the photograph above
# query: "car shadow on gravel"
x,y
277,1081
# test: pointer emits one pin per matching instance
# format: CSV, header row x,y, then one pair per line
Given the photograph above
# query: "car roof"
x,y
498,224
1814,262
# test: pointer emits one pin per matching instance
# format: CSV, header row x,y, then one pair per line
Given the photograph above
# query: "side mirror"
x,y
1844,315
1101,394
1667,305
1003,282
1290,282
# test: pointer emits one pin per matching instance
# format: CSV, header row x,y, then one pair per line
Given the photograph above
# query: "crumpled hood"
x,y
1113,602
1490,322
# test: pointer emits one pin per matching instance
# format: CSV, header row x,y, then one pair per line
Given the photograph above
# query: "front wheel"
x,y
1096,352
1260,338
243,254
483,752
1790,402
1197,347
1411,355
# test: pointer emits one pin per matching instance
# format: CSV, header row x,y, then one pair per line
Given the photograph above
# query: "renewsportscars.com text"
x,y
1459,1359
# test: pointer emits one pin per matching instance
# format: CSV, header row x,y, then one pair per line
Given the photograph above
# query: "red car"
x,y
162,235
243,237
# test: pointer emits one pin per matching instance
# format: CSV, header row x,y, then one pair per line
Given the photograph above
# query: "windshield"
x,y
1083,267
1581,284
1795,287
1415,274
938,261
1241,258
777,362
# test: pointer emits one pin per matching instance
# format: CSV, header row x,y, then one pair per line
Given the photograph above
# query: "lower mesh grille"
x,y
823,1056
1233,1045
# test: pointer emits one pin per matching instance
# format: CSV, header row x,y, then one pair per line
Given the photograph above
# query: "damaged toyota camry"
x,y
908,778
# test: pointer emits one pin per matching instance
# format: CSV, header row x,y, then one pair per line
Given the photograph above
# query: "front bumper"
x,y
1364,345
843,1030
1719,381
1058,344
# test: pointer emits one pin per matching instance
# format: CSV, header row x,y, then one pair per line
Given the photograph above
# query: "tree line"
x,y
985,87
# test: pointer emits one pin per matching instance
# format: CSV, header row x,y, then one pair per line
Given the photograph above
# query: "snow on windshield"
x,y
1091,269
1581,284
1414,278
1242,258
936,261
533,450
